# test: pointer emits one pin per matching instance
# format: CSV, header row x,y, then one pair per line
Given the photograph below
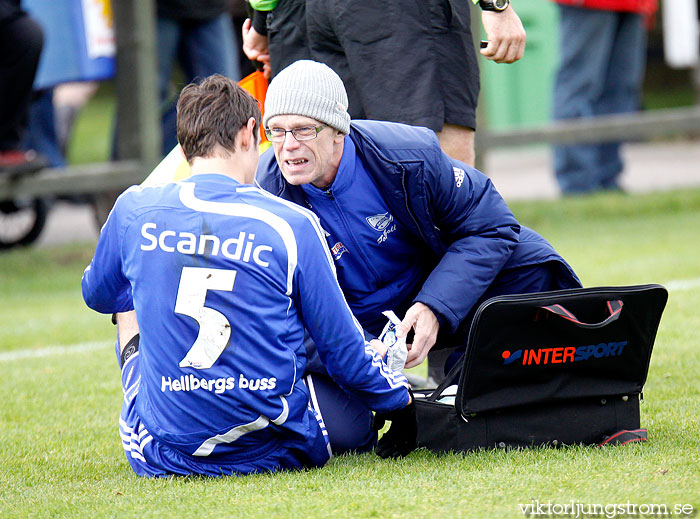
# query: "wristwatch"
x,y
494,5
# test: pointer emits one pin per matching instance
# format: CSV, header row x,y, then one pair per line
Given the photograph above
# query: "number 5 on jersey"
x,y
214,328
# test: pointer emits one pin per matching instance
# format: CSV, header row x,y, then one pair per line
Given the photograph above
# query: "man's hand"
x,y
425,325
402,436
506,36
255,46
379,346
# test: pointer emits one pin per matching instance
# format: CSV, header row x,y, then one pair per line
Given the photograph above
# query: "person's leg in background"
x,y
622,87
586,43
21,41
325,20
68,100
203,49
458,72
427,45
169,35
458,142
210,48
41,129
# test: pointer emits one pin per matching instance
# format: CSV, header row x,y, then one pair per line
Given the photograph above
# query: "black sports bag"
x,y
552,368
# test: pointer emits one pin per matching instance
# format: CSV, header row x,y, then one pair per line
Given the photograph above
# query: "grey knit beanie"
x,y
310,89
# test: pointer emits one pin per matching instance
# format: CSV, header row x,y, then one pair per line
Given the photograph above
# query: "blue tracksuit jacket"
x,y
470,234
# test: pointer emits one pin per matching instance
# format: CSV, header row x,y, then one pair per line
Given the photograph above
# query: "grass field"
x,y
60,453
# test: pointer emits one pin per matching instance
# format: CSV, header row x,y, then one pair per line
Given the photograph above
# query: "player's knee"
x,y
353,439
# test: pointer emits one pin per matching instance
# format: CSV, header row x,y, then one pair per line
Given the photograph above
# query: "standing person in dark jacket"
x,y
21,41
411,229
378,48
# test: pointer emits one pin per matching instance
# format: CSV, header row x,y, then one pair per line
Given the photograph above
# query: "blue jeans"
x,y
41,131
201,49
601,69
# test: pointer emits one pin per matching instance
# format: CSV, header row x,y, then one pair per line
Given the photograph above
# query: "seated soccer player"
x,y
224,278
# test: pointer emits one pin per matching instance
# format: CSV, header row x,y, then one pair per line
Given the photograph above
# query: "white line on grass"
x,y
678,285
51,351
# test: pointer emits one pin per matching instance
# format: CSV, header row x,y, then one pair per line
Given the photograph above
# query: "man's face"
x,y
307,162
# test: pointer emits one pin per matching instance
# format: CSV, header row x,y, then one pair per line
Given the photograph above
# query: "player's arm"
x,y
471,215
351,361
105,288
481,231
127,327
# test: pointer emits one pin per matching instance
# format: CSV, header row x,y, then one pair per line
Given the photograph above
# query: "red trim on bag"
x,y
619,433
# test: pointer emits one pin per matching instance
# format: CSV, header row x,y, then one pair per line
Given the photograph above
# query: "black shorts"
x,y
412,62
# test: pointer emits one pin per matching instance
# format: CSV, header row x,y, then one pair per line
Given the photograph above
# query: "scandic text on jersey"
x,y
241,248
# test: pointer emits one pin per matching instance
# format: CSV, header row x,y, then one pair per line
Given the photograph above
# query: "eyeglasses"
x,y
303,133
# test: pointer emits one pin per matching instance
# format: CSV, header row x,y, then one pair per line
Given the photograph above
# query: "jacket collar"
x,y
400,182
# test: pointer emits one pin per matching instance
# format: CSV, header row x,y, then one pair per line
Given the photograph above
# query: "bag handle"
x,y
449,379
614,307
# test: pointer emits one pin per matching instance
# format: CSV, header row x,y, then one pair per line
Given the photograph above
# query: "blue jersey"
x,y
223,278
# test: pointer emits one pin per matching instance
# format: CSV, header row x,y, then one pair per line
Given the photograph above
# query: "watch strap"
x,y
490,5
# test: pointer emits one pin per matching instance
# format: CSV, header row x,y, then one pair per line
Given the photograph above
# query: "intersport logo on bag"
x,y
563,354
